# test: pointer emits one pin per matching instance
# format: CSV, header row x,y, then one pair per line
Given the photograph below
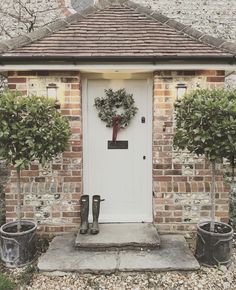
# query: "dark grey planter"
x,y
232,204
18,249
214,248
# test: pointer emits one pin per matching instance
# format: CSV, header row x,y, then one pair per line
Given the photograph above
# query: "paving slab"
x,y
62,257
122,236
174,254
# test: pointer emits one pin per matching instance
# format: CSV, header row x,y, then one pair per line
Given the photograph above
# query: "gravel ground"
x,y
218,278
205,278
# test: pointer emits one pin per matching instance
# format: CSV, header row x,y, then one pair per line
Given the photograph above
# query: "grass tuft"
x,y
6,283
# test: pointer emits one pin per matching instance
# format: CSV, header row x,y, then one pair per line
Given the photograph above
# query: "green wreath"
x,y
108,107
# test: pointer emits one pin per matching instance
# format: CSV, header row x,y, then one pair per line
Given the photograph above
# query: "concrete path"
x,y
62,256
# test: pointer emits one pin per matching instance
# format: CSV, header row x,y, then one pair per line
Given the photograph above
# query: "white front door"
x,y
123,177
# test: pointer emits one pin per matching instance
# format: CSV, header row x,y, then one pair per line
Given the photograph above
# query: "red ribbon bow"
x,y
116,127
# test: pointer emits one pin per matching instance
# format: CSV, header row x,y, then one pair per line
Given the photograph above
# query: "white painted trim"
x,y
84,87
150,100
100,68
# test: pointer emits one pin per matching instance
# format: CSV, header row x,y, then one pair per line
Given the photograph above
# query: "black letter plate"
x,y
117,145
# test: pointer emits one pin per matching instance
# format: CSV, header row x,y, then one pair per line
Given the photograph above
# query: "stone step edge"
x,y
114,247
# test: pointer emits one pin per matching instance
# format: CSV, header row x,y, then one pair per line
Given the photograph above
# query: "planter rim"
x,y
23,222
214,234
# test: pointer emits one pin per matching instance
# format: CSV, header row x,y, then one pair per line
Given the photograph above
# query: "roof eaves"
x,y
123,58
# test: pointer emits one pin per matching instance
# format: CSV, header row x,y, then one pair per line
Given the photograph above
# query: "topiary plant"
x,y
206,125
30,129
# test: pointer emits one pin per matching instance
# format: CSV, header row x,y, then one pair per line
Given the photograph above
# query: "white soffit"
x,y
133,68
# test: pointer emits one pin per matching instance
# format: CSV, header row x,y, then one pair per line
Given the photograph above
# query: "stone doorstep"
x,y
128,236
61,258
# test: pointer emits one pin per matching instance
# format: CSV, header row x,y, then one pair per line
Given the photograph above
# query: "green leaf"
x,y
30,129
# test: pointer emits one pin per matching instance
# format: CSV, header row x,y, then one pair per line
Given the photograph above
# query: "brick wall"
x,y
181,181
51,194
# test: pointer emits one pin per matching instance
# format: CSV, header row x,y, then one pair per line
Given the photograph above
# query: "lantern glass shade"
x,y
181,90
52,91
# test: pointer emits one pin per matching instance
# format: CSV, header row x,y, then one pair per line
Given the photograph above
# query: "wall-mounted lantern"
x,y
180,90
52,94
52,91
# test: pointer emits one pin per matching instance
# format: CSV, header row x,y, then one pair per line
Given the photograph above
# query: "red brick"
x,y
40,179
178,166
43,73
23,179
180,178
220,72
72,179
173,172
11,73
158,220
26,73
10,208
162,166
29,215
163,214
215,79
65,112
12,86
198,178
76,173
76,148
29,173
75,86
56,214
70,214
76,196
162,178
34,167
54,229
173,207
16,80
75,130
70,106
72,154
56,166
173,220
178,213
206,72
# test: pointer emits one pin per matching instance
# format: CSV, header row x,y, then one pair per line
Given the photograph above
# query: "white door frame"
x,y
143,76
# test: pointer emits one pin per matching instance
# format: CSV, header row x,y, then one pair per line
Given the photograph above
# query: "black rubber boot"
x,y
96,209
84,212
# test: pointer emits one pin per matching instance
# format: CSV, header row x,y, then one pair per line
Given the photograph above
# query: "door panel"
x,y
122,176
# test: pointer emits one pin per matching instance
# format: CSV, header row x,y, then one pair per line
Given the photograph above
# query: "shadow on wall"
x,y
4,174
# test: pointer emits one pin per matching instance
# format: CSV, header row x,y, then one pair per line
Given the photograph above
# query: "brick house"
x,y
118,44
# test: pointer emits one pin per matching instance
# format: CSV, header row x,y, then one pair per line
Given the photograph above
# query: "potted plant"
x,y
31,129
204,122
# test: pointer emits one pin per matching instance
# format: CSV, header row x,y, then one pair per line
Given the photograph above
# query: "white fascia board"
x,y
98,68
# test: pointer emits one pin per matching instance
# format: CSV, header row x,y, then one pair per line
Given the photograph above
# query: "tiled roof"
x,y
117,28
